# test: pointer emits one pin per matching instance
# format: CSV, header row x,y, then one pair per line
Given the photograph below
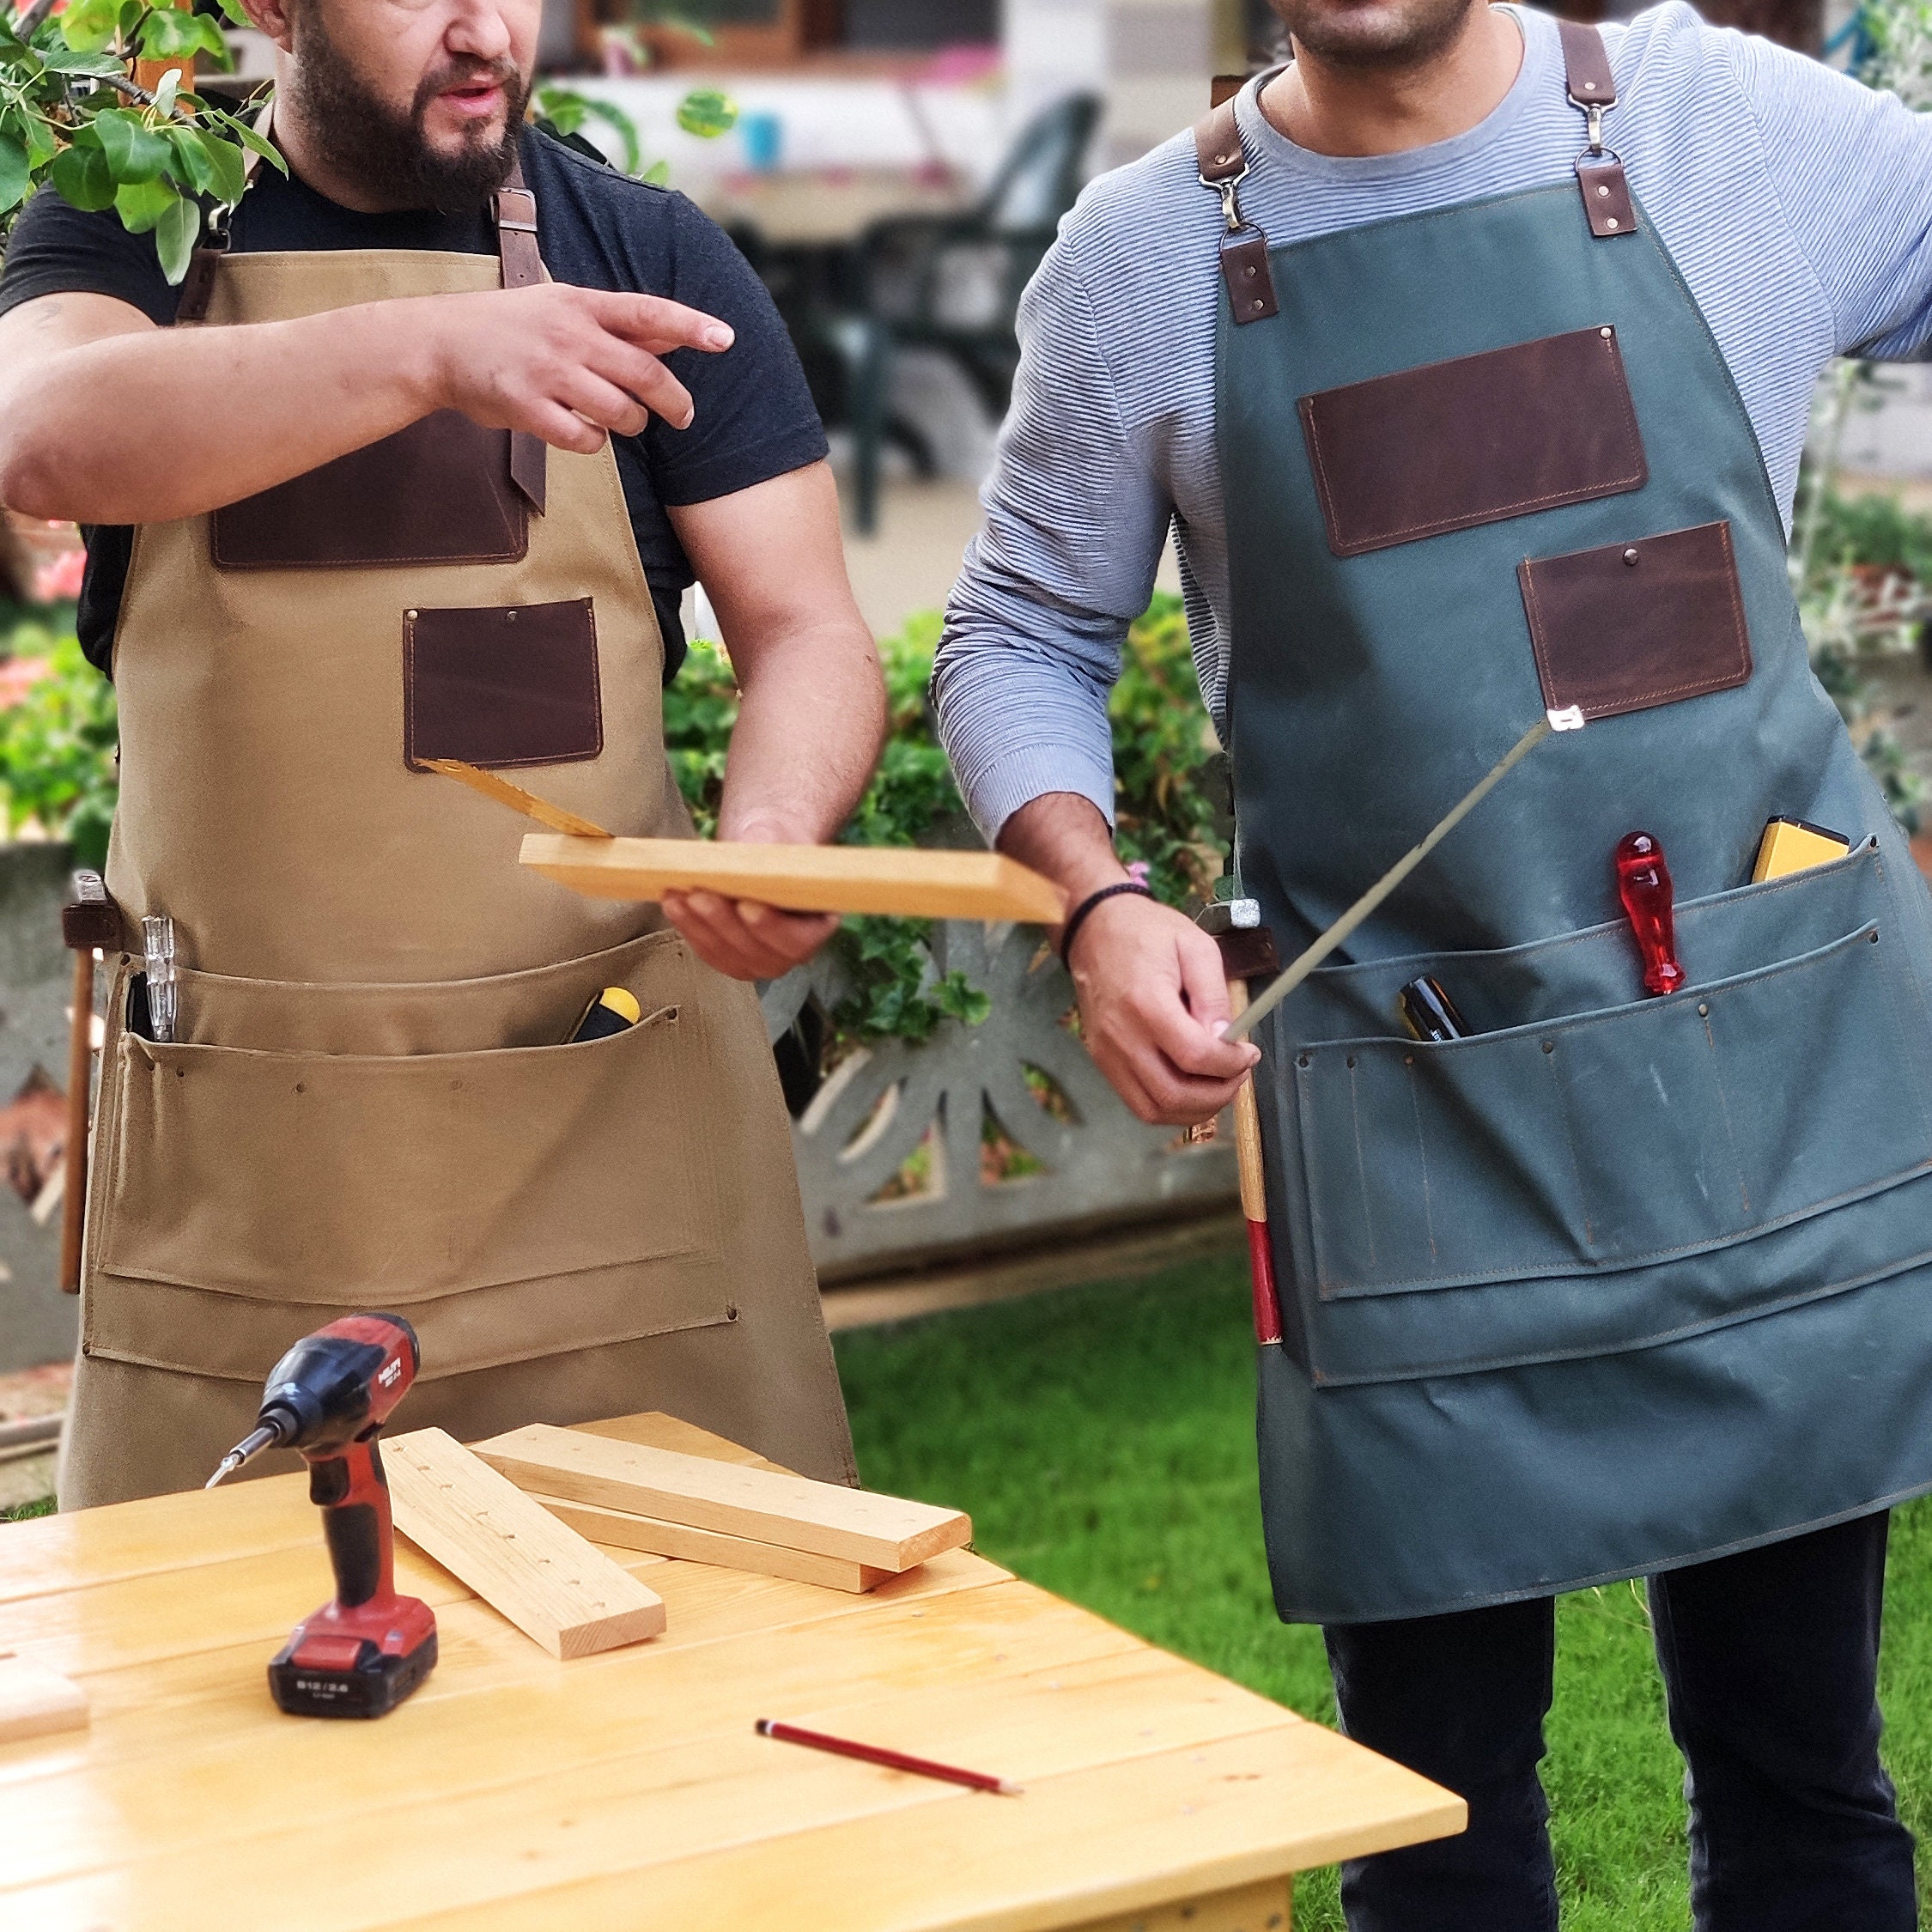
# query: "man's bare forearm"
x,y
153,424
104,418
811,722
1063,835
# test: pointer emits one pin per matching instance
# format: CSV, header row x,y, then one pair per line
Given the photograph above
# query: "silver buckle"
x,y
1230,200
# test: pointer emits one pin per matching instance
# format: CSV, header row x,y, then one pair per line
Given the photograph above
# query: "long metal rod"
x,y
1300,969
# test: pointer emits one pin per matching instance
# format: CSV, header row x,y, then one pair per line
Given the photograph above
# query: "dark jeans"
x,y
1770,1662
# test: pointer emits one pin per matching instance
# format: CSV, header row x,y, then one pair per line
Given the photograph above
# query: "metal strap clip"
x,y
1227,188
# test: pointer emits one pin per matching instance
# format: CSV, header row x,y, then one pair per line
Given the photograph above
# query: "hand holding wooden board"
x,y
883,1531
906,881
513,1553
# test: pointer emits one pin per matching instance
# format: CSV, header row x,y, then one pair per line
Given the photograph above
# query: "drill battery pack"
x,y
345,1675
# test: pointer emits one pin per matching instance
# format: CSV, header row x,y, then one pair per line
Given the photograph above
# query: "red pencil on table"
x,y
877,1755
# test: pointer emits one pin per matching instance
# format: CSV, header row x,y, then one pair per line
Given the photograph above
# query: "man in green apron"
x,y
1470,359
415,470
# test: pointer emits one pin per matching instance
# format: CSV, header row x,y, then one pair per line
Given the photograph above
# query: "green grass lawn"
x,y
1102,1439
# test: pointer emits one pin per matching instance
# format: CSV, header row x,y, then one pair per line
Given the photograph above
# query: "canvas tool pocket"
x,y
1452,445
1627,625
514,1201
437,492
502,685
1632,1135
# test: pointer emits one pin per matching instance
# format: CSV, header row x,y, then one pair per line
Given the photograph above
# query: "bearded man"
x,y
415,466
1469,356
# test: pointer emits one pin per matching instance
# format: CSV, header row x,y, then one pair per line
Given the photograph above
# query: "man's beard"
x,y
1406,35
361,137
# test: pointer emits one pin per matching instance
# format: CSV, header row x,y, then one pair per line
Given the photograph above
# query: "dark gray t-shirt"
x,y
599,230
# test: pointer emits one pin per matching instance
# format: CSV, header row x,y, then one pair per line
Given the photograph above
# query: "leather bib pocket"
x,y
1452,445
516,685
1627,1135
502,1196
1630,625
437,492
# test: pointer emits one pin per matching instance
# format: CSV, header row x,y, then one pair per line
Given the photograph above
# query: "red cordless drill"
x,y
329,1396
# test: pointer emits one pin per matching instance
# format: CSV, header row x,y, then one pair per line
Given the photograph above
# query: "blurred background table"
x,y
516,1794
826,207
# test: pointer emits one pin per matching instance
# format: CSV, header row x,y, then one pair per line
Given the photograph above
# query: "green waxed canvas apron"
x,y
1616,1283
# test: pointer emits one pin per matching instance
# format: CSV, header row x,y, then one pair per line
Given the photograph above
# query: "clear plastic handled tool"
x,y
157,940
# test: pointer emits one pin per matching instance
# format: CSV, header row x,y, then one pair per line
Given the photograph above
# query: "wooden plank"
x,y
885,1531
36,1702
514,1554
1249,1908
659,1430
910,881
627,1531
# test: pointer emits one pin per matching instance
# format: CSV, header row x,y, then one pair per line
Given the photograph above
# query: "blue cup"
x,y
763,138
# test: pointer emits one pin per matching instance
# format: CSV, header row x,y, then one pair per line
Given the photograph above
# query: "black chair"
x,y
952,284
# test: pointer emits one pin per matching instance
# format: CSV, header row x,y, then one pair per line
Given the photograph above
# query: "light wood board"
x,y
36,1702
519,1558
884,1531
911,882
629,1532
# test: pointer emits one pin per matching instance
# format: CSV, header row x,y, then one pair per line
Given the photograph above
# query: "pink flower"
x,y
18,676
58,579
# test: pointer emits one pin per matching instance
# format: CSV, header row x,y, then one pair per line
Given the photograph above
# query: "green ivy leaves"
x,y
706,112
70,115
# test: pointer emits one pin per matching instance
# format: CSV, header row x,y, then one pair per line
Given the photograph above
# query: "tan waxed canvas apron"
x,y
369,1103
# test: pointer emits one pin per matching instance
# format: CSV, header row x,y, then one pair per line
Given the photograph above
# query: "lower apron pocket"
x,y
1618,1139
514,1201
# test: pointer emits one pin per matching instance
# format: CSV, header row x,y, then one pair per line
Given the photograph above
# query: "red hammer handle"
x,y
1254,1195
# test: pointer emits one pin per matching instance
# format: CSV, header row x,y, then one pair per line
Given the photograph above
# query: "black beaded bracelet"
x,y
1080,913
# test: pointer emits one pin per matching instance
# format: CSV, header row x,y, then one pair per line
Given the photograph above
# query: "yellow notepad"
x,y
1790,846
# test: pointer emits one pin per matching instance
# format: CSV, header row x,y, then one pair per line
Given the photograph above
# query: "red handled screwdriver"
x,y
1643,885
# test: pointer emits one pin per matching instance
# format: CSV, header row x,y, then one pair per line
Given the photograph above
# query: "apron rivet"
x,y
1606,333
1629,557
411,615
1603,194
1549,1046
1875,939
509,616
1610,221
1704,1010
1304,1059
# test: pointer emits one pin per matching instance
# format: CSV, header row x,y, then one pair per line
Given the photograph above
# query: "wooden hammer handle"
x,y
80,1093
1254,1195
92,919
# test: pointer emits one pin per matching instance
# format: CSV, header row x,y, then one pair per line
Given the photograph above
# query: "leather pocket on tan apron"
x,y
437,492
514,685
510,1199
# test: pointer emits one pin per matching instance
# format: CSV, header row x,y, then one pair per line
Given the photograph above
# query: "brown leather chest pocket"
x,y
437,492
1632,625
1474,441
508,685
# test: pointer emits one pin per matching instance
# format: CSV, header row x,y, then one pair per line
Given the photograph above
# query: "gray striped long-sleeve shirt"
x,y
1797,203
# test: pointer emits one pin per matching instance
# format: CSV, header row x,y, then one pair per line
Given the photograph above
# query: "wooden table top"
x,y
514,1792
